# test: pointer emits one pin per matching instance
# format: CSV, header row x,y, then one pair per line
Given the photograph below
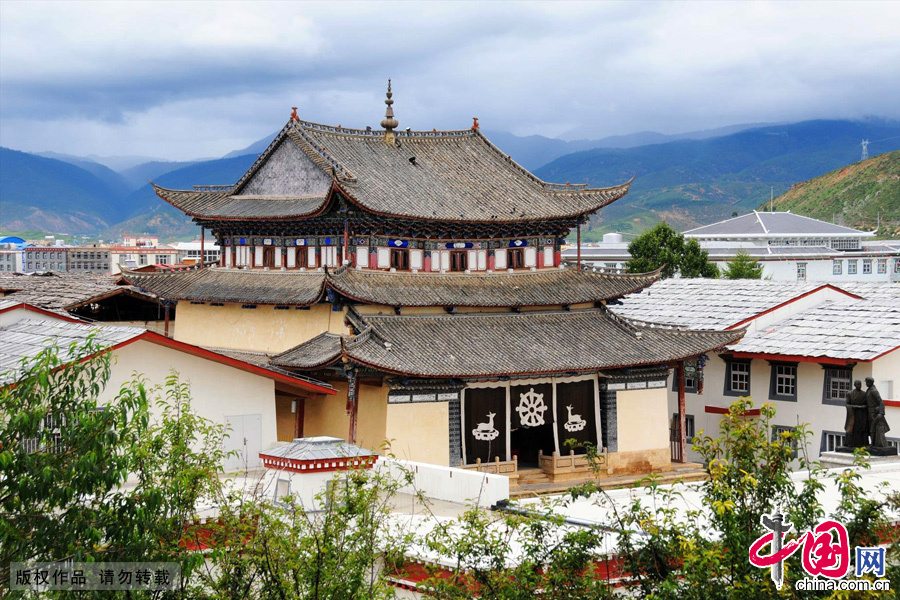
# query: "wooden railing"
x,y
555,464
510,468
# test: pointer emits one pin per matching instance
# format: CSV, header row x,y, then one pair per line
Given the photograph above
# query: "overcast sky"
x,y
189,79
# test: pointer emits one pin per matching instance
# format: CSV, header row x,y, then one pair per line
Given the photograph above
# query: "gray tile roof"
x,y
859,330
25,339
225,205
772,224
546,287
530,288
234,285
708,303
322,350
64,291
494,344
457,176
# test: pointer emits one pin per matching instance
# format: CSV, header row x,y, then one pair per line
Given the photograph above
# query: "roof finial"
x,y
294,116
475,124
389,122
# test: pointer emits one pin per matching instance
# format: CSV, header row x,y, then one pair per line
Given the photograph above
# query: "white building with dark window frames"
x,y
789,247
805,345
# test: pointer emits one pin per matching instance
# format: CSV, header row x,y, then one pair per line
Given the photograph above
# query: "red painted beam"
x,y
724,410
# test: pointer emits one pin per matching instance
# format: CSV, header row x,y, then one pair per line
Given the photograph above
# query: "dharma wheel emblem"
x,y
531,408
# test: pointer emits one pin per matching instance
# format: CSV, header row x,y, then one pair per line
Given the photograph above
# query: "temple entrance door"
x,y
526,442
531,422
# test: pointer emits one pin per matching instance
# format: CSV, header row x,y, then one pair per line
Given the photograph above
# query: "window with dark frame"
x,y
516,258
831,441
400,259
688,426
838,382
737,378
783,382
777,430
268,258
690,383
459,260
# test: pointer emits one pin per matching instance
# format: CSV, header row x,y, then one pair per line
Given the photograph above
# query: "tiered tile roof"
x,y
493,344
532,288
529,288
234,285
429,175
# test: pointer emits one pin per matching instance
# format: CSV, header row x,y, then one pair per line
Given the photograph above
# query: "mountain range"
x,y
695,182
864,195
696,179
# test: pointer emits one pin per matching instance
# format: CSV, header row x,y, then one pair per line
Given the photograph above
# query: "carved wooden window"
x,y
268,257
459,260
516,258
400,259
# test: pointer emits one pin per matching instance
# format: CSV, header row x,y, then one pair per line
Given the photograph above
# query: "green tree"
x,y
664,247
284,551
743,266
96,481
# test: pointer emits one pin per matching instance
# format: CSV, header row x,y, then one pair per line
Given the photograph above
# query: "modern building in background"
x,y
789,247
805,345
189,252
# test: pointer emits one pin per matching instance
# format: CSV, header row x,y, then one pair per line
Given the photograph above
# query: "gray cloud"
x,y
182,80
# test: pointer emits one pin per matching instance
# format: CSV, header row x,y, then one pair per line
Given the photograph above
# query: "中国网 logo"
x,y
825,554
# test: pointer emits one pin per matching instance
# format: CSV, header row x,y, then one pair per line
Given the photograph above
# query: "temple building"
x,y
419,273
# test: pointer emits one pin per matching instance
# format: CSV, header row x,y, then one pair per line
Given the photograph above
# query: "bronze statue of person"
x,y
856,427
878,426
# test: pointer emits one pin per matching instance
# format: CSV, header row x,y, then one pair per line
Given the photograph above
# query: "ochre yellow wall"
x,y
262,329
420,431
643,419
284,418
327,415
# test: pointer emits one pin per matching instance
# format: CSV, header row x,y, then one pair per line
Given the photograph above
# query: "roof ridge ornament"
x,y
294,116
475,124
389,122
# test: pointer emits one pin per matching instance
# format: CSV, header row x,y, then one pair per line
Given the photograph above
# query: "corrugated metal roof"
x,y
773,224
22,341
708,303
858,330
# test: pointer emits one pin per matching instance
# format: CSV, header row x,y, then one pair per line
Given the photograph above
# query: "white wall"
x,y
461,486
809,407
217,390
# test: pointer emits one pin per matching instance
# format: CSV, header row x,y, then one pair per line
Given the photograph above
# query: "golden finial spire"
x,y
389,122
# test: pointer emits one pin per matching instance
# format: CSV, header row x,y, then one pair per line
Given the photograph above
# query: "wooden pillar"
x,y
578,242
346,252
166,330
202,246
682,420
352,403
299,409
